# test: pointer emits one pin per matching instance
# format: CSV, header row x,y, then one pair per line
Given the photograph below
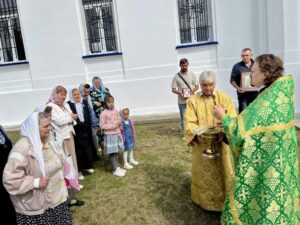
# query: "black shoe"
x,y
75,202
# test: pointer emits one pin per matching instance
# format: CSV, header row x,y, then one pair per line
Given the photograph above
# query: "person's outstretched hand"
x,y
219,112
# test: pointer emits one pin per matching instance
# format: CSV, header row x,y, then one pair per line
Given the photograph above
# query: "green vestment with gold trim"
x,y
263,142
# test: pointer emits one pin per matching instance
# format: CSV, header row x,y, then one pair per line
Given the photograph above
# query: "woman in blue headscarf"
x,y
98,94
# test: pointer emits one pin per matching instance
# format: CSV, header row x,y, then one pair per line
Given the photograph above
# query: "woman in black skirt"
x,y
85,150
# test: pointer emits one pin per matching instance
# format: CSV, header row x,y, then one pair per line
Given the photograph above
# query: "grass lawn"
x,y
155,192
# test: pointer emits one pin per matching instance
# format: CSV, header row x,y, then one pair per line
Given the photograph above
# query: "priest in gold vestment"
x,y
208,186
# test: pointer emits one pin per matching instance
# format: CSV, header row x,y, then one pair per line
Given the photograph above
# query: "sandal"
x,y
75,202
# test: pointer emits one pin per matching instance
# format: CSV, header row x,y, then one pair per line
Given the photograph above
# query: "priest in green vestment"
x,y
263,142
208,185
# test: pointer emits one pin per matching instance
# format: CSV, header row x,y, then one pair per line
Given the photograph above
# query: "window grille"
x,y
100,25
11,42
194,23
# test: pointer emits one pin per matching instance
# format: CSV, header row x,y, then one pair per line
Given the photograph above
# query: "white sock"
x,y
125,156
131,156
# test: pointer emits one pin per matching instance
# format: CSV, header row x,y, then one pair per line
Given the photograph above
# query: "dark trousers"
x,y
245,99
113,157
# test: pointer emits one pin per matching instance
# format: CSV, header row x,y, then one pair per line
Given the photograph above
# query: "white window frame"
x,y
101,45
13,47
193,32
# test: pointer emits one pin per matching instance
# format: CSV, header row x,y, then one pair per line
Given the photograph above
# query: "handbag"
x,y
70,174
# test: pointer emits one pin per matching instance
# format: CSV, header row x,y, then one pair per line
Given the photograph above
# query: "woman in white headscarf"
x,y
86,152
33,175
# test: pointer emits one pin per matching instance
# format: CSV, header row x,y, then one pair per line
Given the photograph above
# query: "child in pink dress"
x,y
113,143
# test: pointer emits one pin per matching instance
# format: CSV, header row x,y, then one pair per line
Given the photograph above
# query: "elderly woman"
x,y
85,150
70,175
263,142
33,176
208,176
8,213
98,93
64,119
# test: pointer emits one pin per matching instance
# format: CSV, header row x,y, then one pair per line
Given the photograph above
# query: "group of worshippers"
x,y
246,165
58,144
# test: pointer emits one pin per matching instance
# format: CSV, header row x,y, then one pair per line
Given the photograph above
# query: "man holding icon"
x,y
184,84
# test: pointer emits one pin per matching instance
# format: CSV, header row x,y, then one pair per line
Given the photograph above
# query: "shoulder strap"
x,y
184,81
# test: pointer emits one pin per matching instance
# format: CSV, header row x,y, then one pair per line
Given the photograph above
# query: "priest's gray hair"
x,y
207,76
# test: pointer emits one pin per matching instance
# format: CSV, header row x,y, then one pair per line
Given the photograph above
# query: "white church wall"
x,y
109,68
15,78
140,76
17,105
236,29
148,38
52,42
292,45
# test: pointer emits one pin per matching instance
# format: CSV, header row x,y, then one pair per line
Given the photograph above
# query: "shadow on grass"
x,y
170,192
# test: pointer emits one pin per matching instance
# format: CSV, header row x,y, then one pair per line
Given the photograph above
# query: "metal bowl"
x,y
210,138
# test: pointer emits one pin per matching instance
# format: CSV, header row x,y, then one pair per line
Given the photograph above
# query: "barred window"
x,y
100,25
194,21
11,42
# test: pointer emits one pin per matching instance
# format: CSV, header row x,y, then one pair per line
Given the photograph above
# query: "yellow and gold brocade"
x,y
208,188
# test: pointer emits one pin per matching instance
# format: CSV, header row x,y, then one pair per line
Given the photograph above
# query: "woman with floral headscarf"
x,y
98,94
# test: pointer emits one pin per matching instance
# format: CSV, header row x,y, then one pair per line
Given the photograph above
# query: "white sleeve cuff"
x,y
36,183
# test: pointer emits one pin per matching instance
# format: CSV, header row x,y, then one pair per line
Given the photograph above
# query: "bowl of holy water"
x,y
210,139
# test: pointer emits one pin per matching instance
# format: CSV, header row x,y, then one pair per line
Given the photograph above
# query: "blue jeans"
x,y
181,111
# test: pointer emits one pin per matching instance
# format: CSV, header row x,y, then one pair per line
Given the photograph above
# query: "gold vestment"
x,y
208,188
